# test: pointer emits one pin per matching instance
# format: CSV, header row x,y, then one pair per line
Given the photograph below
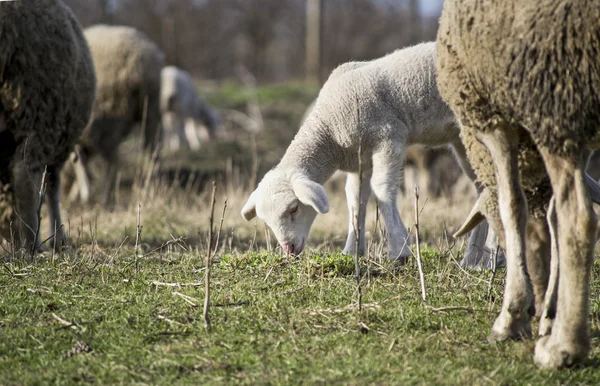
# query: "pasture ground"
x,y
102,312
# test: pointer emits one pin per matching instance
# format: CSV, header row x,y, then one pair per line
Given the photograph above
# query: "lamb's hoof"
x,y
508,326
550,354
545,325
352,252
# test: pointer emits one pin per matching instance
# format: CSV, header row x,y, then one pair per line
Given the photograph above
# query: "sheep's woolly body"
x,y
46,79
523,78
180,103
47,87
128,67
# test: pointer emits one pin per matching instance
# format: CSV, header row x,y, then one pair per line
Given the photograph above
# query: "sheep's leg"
x,y
83,177
549,310
387,165
352,197
53,196
514,320
483,242
538,260
171,126
27,201
191,134
111,180
569,341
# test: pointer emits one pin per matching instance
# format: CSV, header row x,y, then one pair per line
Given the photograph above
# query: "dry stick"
x,y
494,265
220,227
419,262
138,237
39,213
357,232
209,260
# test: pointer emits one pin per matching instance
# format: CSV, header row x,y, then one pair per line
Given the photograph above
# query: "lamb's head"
x,y
288,202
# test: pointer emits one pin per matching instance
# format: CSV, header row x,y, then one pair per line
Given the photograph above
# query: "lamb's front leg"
x,y
353,190
384,182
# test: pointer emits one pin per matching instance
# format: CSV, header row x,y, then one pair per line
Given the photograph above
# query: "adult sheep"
x,y
382,107
128,66
532,75
186,117
44,107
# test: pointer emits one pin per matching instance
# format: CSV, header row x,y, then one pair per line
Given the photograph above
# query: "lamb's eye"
x,y
294,209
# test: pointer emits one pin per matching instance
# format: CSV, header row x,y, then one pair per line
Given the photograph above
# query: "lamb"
x,y
532,77
381,107
44,107
187,119
128,66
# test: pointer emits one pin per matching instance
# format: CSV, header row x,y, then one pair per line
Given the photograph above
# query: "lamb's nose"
x,y
288,248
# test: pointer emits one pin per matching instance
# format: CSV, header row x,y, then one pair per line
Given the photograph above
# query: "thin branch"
x,y
418,242
39,213
209,259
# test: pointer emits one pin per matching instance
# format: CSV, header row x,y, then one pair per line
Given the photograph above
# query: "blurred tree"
x,y
213,38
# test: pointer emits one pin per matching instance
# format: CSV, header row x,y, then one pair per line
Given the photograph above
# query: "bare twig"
x,y
220,228
138,237
357,231
39,213
493,276
452,308
417,241
188,299
64,322
163,284
209,259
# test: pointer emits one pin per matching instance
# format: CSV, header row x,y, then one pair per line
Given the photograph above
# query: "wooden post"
x,y
313,40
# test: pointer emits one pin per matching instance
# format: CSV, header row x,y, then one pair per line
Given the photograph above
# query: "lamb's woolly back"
x,y
367,103
47,102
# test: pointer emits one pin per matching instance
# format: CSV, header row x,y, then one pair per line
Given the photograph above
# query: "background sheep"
x,y
351,113
44,106
128,67
532,78
186,118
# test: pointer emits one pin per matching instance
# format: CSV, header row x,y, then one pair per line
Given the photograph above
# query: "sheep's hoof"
x,y
553,354
509,326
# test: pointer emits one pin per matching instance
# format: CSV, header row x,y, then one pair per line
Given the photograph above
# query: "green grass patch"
x,y
275,320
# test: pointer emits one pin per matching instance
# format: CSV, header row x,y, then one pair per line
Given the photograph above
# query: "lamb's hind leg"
x,y
387,164
514,320
353,191
569,340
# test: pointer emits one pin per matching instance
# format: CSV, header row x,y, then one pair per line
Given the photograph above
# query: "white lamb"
x,y
187,119
381,106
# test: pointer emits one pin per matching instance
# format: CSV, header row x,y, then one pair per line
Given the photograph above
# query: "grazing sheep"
x,y
532,75
44,107
381,107
128,67
187,119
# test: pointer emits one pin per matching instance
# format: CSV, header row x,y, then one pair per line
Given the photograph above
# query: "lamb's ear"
x,y
311,193
249,210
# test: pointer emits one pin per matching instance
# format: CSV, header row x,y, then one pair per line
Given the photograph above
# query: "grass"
x,y
275,320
